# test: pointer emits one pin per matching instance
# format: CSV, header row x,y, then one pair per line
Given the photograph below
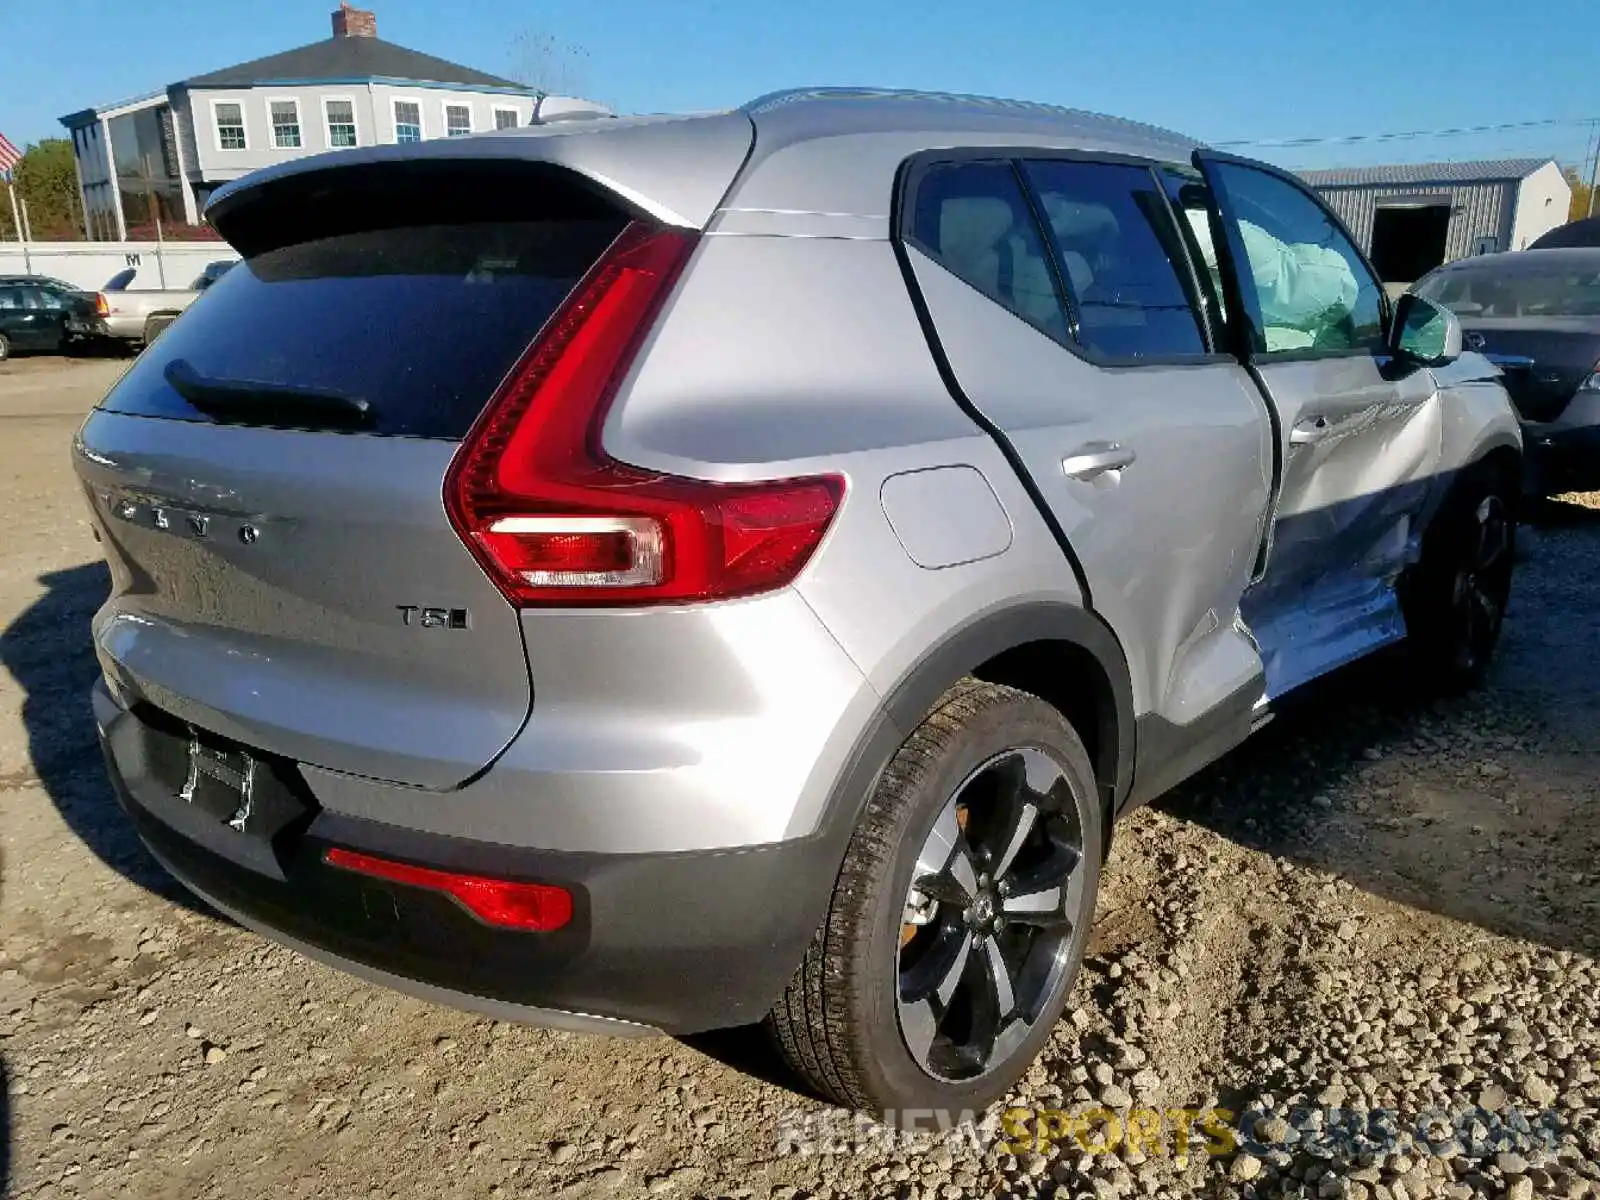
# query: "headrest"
x,y
971,225
1075,221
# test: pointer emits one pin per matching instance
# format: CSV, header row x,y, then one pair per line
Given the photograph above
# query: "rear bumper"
x,y
672,942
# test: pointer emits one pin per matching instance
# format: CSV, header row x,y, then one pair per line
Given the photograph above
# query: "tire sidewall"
x,y
5,348
1430,616
1024,721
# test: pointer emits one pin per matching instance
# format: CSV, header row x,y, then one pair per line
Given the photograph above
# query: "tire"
x,y
5,348
1455,596
886,970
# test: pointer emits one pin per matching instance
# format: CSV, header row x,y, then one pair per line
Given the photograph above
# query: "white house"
x,y
164,153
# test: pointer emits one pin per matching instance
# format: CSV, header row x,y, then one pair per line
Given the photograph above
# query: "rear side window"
x,y
1121,256
1106,273
421,316
974,218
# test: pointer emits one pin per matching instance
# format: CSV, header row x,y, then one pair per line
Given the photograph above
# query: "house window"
x,y
407,121
341,122
505,118
230,125
285,124
457,120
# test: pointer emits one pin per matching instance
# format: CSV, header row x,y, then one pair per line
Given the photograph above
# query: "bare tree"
x,y
547,64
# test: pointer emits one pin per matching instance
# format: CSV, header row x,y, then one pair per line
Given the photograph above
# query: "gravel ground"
x,y
1369,936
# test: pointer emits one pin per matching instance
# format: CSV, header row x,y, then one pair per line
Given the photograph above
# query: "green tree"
x,y
45,178
1580,194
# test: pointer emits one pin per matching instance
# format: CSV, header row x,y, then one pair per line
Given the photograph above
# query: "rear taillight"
x,y
555,521
102,307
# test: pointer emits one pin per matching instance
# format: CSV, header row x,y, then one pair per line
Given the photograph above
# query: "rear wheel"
x,y
960,915
5,348
1456,595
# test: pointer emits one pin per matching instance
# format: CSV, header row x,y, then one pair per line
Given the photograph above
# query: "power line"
x,y
1408,135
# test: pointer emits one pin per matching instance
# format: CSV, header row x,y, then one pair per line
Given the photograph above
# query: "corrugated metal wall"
x,y
1478,209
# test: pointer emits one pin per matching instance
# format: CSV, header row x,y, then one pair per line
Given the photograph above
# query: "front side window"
x,y
457,120
341,122
1120,256
505,118
1305,287
974,219
407,121
230,125
285,124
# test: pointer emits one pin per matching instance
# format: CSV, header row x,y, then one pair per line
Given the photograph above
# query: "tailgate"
x,y
284,574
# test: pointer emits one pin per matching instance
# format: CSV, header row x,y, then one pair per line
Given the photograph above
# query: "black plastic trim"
x,y
683,942
1005,628
1169,754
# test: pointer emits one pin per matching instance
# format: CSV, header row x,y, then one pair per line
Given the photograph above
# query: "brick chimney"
x,y
354,22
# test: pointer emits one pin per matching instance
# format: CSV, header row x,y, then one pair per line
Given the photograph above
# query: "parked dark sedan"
x,y
1537,313
39,313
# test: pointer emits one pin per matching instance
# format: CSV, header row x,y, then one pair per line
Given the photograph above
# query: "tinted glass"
x,y
421,321
1191,200
974,218
1305,286
1560,287
1121,257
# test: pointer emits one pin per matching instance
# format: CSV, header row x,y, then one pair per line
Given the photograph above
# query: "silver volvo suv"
x,y
663,573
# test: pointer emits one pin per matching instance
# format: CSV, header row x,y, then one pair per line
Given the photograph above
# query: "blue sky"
x,y
1218,69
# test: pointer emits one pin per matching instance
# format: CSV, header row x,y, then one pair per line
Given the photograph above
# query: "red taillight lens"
x,y
554,521
537,907
102,307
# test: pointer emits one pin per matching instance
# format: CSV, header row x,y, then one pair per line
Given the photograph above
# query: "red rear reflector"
x,y
530,906
555,521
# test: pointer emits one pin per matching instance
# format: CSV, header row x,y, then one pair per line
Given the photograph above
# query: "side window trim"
x,y
901,225
1231,253
1214,302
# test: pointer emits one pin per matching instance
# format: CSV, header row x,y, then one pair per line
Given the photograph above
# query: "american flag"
x,y
10,156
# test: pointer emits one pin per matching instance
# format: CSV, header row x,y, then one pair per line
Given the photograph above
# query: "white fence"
x,y
90,264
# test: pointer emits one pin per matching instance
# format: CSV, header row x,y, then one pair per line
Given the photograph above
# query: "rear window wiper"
x,y
266,403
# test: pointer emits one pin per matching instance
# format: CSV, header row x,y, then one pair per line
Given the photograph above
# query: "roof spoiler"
x,y
547,110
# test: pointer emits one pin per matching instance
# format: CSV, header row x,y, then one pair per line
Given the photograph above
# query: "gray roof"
x,y
348,60
830,111
1497,170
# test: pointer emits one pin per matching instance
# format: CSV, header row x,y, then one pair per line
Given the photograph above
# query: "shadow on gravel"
x,y
748,1050
1481,807
49,652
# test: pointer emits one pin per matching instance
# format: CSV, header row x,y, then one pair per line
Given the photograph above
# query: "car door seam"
x,y
996,435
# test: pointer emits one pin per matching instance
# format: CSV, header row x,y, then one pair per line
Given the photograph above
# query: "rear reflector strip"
x,y
537,907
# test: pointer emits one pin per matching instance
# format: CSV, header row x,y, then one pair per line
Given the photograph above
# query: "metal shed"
x,y
1411,218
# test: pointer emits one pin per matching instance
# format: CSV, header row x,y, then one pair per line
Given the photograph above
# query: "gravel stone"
x,y
1382,902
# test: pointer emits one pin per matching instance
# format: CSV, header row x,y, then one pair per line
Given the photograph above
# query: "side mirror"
x,y
1425,332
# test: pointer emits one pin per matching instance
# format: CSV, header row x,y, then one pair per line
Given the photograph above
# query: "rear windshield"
x,y
421,319
1556,289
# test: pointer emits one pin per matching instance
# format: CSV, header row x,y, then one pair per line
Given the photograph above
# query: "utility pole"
x,y
1594,170
16,220
155,213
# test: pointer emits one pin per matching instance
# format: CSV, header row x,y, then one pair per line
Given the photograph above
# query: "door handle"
x,y
1096,459
1312,429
